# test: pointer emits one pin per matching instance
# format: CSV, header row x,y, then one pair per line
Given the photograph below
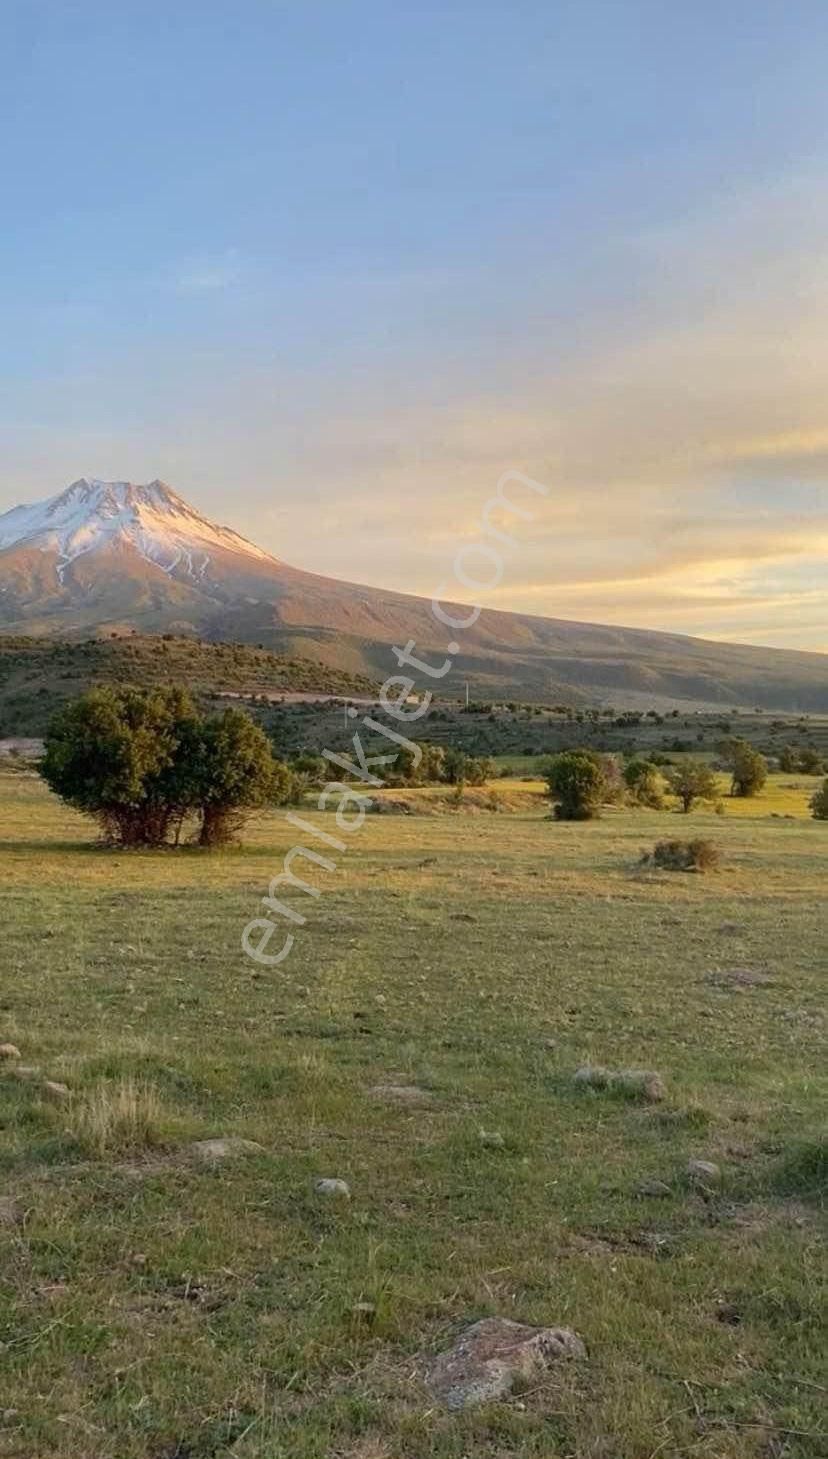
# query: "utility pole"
x,y
467,693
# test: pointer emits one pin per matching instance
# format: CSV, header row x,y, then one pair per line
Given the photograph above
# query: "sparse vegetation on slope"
x,y
37,675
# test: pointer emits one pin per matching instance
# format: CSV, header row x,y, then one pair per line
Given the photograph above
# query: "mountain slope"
x,y
37,675
106,556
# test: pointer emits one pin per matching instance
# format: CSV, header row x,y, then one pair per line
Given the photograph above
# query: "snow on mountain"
x,y
152,519
109,555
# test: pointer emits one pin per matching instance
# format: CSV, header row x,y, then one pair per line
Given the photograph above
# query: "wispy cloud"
x,y
208,275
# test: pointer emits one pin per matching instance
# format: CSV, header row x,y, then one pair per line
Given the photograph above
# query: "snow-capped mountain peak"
x,y
152,519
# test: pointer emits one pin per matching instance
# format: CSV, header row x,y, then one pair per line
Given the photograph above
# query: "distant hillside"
x,y
102,556
38,674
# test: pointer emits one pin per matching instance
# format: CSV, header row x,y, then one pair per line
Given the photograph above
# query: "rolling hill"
x,y
113,557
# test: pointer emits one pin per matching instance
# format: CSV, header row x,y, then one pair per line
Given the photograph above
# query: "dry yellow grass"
x,y
118,1116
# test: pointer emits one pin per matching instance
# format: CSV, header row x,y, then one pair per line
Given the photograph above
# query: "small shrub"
x,y
803,1171
695,855
645,784
819,803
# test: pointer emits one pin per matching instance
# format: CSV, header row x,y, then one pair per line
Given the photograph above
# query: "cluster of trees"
x,y
580,782
436,765
142,762
806,761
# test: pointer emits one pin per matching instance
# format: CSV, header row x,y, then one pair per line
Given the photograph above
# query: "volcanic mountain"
x,y
110,556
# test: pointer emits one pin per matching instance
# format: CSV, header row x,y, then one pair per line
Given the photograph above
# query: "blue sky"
x,y
330,268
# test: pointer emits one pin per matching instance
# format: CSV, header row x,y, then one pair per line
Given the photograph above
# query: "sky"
x,y
329,269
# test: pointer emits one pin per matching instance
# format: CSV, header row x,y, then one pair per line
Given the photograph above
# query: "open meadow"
x,y
420,1044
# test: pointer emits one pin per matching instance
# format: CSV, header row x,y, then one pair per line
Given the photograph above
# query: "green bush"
x,y
577,785
819,803
646,786
141,760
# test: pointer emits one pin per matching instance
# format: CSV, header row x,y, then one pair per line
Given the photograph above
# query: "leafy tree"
x,y
749,769
432,765
406,769
645,784
819,803
141,760
114,755
576,782
314,767
692,780
810,762
462,769
479,769
234,774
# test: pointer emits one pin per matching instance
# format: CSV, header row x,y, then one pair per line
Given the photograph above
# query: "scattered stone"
x,y
9,1051
25,1072
738,978
655,1189
11,1212
704,1172
462,917
401,1093
593,1076
364,1311
492,1139
650,1085
56,1091
224,1148
332,1186
636,1083
494,1355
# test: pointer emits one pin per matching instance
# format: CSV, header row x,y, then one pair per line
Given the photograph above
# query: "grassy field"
x,y
154,1306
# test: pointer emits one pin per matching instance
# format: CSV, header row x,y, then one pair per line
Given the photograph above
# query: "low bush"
x,y
695,855
819,803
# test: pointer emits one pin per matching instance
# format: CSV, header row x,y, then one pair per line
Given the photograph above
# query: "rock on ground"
x,y
653,1188
737,978
9,1051
212,1151
491,1139
332,1186
54,1090
703,1172
494,1355
637,1083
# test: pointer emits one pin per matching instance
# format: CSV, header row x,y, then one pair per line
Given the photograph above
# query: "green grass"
x,y
151,1306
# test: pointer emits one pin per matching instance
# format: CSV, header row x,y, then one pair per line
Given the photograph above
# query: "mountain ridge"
x,y
118,556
